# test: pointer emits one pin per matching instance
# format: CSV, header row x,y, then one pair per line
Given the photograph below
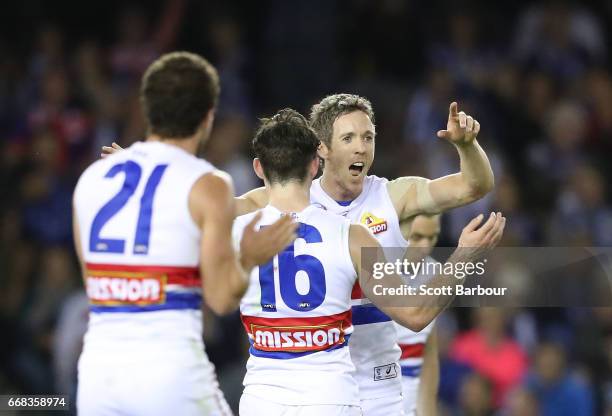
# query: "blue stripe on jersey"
x,y
411,370
174,301
283,355
368,314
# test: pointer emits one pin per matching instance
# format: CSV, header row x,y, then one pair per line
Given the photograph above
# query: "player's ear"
x,y
314,167
322,150
258,169
209,119
206,125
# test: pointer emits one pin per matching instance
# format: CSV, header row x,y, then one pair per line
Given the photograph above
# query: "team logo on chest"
x,y
375,225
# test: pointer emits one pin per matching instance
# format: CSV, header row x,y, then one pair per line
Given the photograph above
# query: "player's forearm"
x,y
251,201
427,307
224,290
476,172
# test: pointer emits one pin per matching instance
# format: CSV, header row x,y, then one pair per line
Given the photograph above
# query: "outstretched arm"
x,y
472,243
412,195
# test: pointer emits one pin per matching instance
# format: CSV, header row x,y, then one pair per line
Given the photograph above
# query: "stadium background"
x,y
535,74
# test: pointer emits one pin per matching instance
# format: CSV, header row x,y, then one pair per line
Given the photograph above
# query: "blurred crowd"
x,y
535,74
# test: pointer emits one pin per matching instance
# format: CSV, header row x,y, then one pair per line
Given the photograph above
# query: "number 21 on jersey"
x,y
133,173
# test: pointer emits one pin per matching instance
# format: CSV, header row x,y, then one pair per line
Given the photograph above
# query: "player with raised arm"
x,y
297,310
345,125
152,229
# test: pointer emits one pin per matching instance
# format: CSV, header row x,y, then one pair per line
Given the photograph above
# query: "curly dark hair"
x,y
323,114
177,92
285,144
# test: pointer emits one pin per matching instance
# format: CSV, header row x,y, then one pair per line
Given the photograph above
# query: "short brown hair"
x,y
285,145
177,92
324,114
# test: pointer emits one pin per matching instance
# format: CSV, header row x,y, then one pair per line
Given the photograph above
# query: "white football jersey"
x,y
297,314
373,346
141,246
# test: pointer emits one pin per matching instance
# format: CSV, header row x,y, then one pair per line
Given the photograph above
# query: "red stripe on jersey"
x,y
176,275
412,350
357,293
248,320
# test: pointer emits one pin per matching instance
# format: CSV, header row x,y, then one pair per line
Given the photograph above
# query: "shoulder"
x,y
404,183
373,180
214,184
93,172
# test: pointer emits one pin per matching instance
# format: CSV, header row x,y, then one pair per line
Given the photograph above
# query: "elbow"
x,y
481,188
416,321
416,325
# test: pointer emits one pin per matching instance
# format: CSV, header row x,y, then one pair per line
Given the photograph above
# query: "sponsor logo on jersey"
x,y
297,334
375,225
297,338
125,288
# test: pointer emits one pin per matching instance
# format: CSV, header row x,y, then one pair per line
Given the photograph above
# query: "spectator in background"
x,y
137,44
597,91
491,353
45,192
226,150
520,402
521,231
557,156
475,397
94,87
582,216
558,392
559,38
232,62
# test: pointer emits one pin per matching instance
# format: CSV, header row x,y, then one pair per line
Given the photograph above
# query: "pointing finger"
x,y
452,110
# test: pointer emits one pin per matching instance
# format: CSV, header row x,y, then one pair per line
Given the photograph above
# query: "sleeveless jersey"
x,y
373,346
141,247
297,314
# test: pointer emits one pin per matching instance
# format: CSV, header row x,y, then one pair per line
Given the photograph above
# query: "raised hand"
x,y
258,247
109,150
461,128
485,237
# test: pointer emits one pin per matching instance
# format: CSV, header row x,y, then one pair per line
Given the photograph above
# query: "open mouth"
x,y
356,168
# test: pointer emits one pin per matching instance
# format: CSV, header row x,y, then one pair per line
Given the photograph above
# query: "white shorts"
x,y
383,406
181,384
254,406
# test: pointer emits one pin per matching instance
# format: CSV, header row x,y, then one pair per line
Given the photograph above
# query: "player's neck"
x,y
188,144
337,190
289,197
